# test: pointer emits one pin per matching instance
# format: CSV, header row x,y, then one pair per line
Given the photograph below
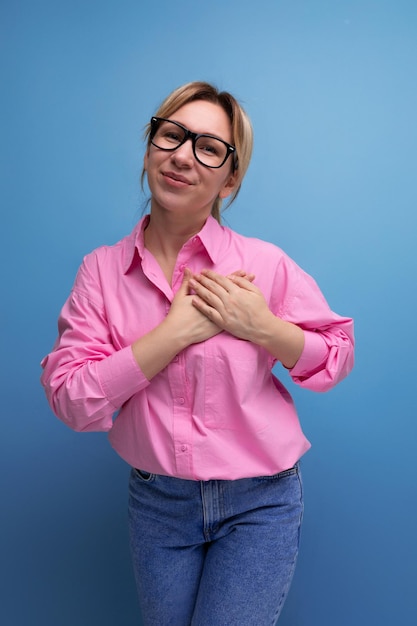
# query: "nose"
x,y
184,155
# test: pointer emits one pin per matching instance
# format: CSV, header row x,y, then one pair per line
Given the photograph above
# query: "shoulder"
x,y
276,272
116,256
265,250
104,265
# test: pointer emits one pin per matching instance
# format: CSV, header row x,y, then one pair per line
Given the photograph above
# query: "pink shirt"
x,y
216,411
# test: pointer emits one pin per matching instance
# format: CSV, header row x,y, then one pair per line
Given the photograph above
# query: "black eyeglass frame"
x,y
188,134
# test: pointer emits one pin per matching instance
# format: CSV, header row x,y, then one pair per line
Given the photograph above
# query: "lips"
x,y
177,178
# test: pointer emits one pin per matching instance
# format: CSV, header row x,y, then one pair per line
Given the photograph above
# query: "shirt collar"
x,y
134,243
210,237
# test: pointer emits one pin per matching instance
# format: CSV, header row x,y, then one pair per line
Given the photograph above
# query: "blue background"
x,y
332,92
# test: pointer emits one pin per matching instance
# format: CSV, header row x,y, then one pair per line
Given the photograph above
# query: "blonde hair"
x,y
242,133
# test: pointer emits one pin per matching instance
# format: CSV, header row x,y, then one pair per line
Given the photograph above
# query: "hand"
x,y
243,274
231,302
186,320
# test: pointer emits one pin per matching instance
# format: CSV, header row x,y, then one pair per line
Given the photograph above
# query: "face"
x,y
178,182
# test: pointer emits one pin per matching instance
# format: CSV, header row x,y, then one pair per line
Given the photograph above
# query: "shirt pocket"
x,y
234,376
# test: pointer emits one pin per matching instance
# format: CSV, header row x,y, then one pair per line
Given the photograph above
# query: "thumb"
x,y
184,288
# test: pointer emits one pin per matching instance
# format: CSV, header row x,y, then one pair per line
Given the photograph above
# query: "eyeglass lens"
x,y
208,150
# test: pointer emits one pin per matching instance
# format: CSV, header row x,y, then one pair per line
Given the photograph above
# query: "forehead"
x,y
204,117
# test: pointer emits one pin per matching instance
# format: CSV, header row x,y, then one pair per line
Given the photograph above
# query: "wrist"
x,y
282,339
174,335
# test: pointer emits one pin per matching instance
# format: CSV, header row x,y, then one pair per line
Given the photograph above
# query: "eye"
x,y
210,147
170,135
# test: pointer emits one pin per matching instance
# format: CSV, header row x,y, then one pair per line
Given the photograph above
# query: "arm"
x,y
183,326
298,328
237,306
86,378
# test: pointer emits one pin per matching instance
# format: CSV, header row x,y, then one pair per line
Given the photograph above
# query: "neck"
x,y
166,235
164,238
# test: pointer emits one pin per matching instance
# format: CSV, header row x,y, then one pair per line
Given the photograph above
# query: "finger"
x,y
213,293
208,291
245,282
242,274
185,283
211,313
211,279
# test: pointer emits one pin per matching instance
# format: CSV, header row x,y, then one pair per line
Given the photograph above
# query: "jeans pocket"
x,y
144,476
284,474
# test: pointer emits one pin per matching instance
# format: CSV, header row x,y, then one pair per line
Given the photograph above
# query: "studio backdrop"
x,y
332,93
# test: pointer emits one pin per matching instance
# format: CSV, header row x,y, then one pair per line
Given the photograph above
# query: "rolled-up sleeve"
x,y
327,358
328,354
85,377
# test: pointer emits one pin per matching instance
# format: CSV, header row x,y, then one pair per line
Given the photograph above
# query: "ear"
x,y
228,186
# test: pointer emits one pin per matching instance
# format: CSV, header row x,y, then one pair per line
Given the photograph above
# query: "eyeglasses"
x,y
208,150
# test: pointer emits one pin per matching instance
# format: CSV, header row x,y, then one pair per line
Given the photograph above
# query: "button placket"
x,y
181,427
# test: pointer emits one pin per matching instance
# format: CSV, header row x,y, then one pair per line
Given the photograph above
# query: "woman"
x,y
176,329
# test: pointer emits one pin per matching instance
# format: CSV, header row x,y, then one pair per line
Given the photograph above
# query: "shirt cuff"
x,y
313,357
120,376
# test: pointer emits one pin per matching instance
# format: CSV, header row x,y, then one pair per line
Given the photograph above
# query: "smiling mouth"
x,y
177,178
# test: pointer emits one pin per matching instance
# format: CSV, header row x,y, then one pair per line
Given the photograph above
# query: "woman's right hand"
x,y
183,326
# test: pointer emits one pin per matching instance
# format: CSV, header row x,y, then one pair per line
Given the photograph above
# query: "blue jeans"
x,y
215,553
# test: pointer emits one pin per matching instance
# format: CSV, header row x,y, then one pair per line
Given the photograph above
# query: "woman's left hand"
x,y
232,302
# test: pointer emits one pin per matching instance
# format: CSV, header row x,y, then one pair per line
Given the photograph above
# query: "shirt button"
x,y
182,267
181,400
184,448
175,359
